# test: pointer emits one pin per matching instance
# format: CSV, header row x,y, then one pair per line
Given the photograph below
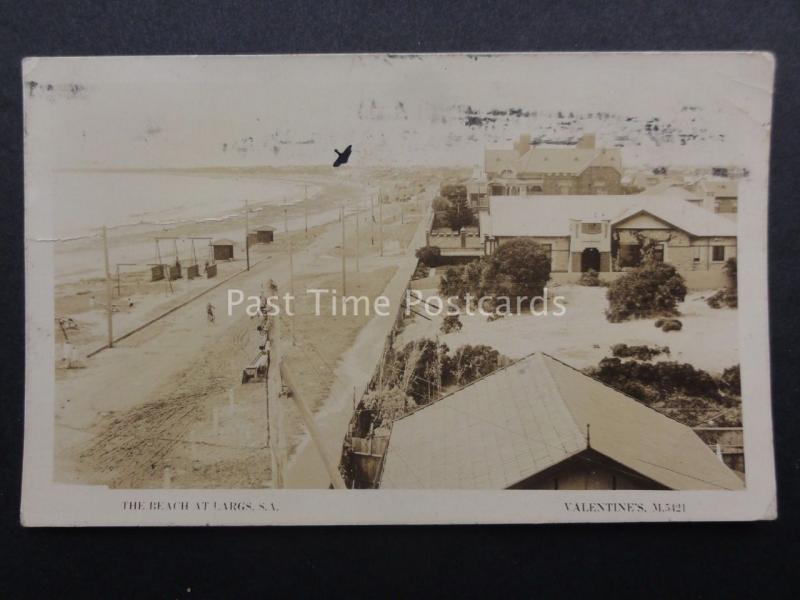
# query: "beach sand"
x,y
165,406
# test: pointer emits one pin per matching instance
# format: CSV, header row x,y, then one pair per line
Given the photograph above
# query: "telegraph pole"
x,y
372,219
291,262
344,260
305,206
273,392
380,219
358,216
108,289
313,430
247,233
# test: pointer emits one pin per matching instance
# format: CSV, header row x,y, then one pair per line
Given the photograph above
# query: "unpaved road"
x,y
157,411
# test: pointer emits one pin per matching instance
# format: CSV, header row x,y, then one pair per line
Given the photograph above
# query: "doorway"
x,y
590,259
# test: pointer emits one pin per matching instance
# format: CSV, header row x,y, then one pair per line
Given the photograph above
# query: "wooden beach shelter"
x,y
265,234
223,249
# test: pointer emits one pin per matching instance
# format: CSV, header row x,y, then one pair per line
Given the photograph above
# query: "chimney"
x,y
586,142
523,145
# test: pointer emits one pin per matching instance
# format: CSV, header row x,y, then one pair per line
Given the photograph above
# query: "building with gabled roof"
x,y
530,169
540,424
606,232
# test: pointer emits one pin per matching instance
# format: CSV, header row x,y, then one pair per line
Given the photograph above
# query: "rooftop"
x,y
525,159
533,414
549,216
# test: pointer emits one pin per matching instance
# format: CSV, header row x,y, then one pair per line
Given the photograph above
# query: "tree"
x,y
519,268
451,283
459,214
649,291
732,271
440,204
469,363
429,255
419,368
731,381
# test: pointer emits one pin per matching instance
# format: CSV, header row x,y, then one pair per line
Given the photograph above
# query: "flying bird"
x,y
342,157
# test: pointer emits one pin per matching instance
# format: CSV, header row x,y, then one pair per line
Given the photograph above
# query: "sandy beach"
x,y
181,417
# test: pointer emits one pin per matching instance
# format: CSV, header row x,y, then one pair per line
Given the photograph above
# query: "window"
x,y
696,257
591,228
658,253
629,255
534,189
717,253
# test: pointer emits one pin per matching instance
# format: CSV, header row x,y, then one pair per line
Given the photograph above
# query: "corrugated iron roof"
x,y
548,216
531,415
536,160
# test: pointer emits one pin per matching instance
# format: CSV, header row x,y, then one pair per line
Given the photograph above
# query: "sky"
x,y
402,110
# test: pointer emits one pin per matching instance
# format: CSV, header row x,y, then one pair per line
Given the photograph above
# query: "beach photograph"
x,y
390,272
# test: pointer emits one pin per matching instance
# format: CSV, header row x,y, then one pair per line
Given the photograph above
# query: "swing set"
x,y
161,270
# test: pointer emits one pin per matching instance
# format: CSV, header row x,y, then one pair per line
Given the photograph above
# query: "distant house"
x,y
723,194
606,233
540,424
528,170
718,195
223,249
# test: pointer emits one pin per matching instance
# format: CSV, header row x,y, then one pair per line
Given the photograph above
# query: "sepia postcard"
x,y
400,289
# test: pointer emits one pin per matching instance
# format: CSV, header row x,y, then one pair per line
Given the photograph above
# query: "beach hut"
x,y
223,249
265,234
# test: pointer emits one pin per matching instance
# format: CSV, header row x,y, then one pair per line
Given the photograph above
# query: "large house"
x,y
529,169
607,233
540,424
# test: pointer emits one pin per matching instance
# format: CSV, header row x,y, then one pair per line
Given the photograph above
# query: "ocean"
x,y
85,201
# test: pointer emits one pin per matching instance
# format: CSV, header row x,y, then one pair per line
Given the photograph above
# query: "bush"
x,y
430,256
517,268
638,352
672,325
732,271
731,380
678,390
440,204
657,380
421,272
723,298
450,324
469,363
451,283
590,278
652,290
729,296
385,406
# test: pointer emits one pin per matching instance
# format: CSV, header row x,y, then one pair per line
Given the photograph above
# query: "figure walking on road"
x,y
210,312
